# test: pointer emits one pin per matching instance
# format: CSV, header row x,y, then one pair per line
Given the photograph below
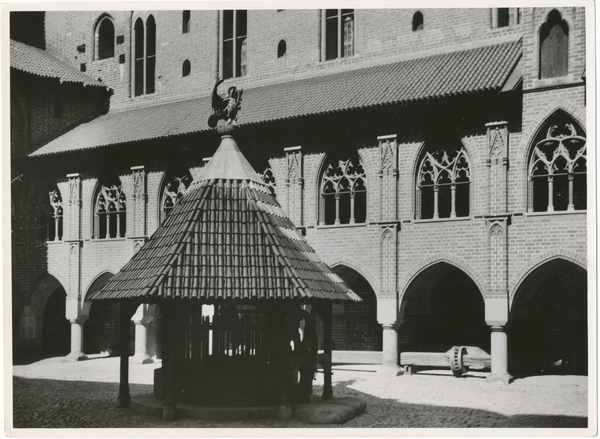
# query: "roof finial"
x,y
225,110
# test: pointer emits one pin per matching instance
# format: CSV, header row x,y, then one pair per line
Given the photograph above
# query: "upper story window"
x,y
110,211
50,214
554,46
105,38
443,183
343,192
144,55
185,22
503,17
558,167
339,33
417,21
234,29
173,191
186,68
281,48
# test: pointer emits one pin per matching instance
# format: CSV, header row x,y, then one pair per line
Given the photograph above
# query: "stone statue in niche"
x,y
225,109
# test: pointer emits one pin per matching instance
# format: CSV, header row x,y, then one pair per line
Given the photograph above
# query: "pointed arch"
x,y
104,37
109,208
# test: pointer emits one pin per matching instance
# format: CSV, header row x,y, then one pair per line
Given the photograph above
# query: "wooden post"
x,y
168,371
327,317
283,367
124,398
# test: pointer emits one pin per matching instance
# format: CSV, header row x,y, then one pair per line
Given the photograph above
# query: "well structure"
x,y
246,302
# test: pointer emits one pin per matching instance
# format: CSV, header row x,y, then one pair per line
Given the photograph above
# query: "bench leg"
x,y
408,370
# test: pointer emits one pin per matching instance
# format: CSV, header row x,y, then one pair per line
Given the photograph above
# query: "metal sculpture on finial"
x,y
225,110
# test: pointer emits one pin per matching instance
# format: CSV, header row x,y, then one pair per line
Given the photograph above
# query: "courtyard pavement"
x,y
52,393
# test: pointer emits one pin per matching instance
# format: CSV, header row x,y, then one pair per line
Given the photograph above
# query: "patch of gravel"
x,y
55,394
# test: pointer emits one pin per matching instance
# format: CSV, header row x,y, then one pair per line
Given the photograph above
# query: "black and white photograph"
x,y
283,218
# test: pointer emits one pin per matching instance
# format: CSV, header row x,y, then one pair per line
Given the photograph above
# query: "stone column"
x,y
77,339
142,320
499,357
390,346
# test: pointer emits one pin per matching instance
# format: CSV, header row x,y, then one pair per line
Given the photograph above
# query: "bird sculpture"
x,y
226,108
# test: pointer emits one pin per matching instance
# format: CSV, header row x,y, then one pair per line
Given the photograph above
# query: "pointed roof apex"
x,y
229,163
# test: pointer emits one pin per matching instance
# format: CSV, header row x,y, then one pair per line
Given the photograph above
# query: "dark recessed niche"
x,y
81,48
122,59
82,67
120,39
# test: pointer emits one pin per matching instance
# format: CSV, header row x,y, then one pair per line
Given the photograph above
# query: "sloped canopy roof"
x,y
227,238
466,71
39,62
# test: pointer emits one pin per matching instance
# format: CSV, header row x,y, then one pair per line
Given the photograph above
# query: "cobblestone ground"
x,y
51,393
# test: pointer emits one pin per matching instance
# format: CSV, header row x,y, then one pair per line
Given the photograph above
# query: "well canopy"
x,y
227,238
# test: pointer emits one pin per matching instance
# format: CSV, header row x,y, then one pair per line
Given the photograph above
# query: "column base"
x,y
141,359
284,413
501,378
169,413
76,356
124,402
389,370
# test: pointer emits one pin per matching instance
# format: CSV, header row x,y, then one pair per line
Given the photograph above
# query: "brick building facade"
x,y
434,159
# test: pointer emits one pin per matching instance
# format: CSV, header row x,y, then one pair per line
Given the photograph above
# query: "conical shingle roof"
x,y
227,238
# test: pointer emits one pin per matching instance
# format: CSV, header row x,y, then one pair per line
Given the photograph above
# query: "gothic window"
x,y
339,33
443,184
417,22
144,55
343,193
234,46
174,190
554,46
110,210
50,215
185,24
105,38
558,167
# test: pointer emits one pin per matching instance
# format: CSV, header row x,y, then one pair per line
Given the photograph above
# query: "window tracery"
x,y
174,190
50,215
443,184
111,219
558,168
344,193
268,179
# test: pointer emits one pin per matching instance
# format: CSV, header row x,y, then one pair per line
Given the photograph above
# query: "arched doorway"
x,y
355,326
56,329
547,331
442,308
102,328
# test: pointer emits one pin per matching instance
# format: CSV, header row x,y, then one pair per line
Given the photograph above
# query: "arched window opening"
x,y
186,68
554,46
144,56
105,38
443,184
343,193
417,22
174,191
185,25
111,218
281,49
50,214
558,167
